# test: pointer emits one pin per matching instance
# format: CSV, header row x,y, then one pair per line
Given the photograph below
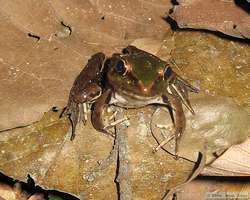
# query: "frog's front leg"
x,y
98,113
98,109
177,94
178,90
178,119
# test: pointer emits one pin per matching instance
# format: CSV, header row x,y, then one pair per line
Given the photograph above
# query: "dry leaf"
x,y
37,74
229,17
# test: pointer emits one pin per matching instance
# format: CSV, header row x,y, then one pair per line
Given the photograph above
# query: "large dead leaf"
x,y
230,17
44,151
37,74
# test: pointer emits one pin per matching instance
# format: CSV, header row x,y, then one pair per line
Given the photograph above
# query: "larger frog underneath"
x,y
131,79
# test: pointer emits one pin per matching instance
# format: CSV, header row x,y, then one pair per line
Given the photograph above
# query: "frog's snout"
x,y
144,89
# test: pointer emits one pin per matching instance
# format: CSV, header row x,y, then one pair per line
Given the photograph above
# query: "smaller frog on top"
x,y
131,79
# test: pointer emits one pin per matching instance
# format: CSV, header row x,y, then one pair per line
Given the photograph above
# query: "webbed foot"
x,y
167,139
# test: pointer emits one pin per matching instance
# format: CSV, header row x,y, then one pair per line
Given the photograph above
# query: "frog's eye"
x,y
125,51
120,67
168,72
129,50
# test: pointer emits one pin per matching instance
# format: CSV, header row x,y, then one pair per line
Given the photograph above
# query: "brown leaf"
x,y
45,152
229,17
213,187
37,74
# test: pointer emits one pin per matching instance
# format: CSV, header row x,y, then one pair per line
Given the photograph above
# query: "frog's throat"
x,y
127,100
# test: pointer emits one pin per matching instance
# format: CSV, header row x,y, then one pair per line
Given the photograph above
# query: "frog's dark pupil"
x,y
168,72
120,67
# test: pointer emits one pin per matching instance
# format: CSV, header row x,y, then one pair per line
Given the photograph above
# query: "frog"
x,y
131,79
86,88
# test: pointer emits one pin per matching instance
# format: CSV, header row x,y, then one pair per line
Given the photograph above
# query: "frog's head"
x,y
137,72
89,93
